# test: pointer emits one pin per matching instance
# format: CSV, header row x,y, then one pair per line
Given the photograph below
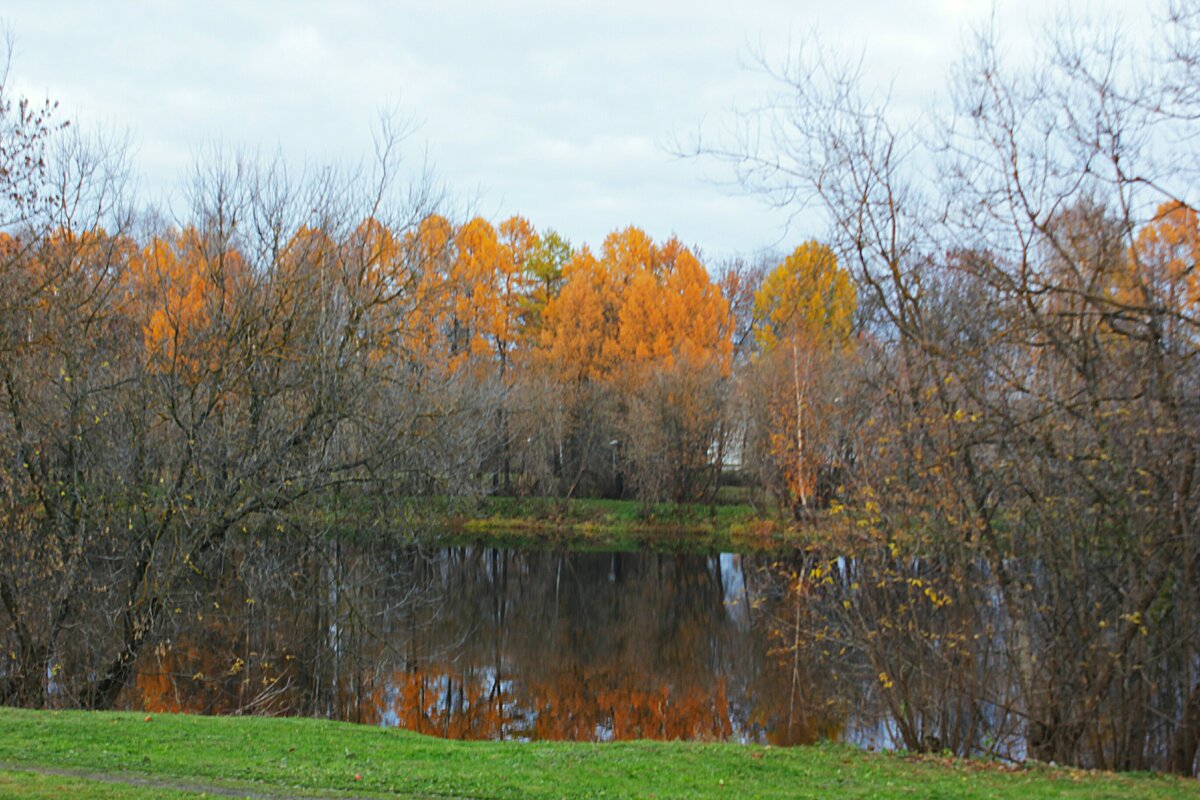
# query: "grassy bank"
x,y
588,524
125,756
538,522
578,524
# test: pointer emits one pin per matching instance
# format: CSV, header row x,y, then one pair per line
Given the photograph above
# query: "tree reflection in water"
x,y
479,643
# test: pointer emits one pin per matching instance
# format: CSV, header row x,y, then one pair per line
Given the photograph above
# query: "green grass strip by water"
x,y
125,756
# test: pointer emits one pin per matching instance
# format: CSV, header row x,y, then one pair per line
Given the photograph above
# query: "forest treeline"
x,y
541,368
978,397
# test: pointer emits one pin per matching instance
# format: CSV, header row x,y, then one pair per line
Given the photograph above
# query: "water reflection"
x,y
482,643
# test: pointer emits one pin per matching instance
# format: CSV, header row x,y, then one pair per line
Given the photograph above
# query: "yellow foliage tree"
x,y
519,241
803,316
807,295
673,311
475,304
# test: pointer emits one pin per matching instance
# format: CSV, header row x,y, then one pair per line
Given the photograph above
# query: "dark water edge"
x,y
481,643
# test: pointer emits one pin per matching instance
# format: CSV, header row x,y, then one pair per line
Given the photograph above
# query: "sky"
x,y
563,112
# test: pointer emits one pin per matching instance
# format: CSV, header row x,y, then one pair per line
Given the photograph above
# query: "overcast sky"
x,y
558,111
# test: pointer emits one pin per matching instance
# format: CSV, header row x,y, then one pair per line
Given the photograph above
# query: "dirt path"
x,y
179,785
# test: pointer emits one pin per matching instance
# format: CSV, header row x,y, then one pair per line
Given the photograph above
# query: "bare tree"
x,y
165,390
1036,429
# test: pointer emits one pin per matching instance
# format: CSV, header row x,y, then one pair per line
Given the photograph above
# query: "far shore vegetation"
x,y
576,524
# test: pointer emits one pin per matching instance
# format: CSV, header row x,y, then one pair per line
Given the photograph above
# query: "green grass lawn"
x,y
539,522
732,524
595,524
33,786
182,756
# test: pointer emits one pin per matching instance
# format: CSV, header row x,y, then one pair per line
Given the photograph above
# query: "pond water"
x,y
479,643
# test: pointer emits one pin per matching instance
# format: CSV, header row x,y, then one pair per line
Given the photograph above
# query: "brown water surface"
x,y
481,643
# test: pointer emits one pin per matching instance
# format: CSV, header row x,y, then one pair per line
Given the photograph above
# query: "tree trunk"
x,y
1186,740
139,623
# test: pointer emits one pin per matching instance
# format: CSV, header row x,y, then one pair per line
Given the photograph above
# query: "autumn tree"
x,y
1162,273
639,310
1031,451
536,415
489,287
544,264
803,317
164,394
429,256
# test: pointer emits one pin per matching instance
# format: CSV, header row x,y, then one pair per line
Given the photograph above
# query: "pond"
x,y
481,643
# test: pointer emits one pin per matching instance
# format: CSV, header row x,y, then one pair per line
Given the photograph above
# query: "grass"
x,y
608,525
583,524
733,523
35,786
296,757
605,524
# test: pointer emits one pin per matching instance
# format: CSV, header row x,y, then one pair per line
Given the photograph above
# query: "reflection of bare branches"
x,y
470,642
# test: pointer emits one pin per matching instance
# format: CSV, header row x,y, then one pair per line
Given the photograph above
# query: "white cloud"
x,y
552,110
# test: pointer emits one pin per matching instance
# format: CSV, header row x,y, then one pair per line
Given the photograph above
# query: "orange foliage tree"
x,y
428,256
489,287
180,296
1163,271
637,305
636,313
